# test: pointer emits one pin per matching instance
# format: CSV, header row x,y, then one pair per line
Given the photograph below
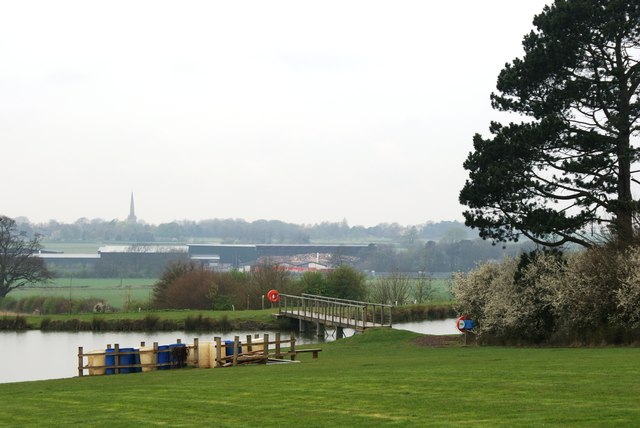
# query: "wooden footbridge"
x,y
331,312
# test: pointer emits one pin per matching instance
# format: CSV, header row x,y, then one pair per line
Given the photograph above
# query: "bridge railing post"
x,y
364,317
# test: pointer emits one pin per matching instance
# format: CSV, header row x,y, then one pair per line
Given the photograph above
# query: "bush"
x,y
345,282
13,323
8,303
588,297
627,296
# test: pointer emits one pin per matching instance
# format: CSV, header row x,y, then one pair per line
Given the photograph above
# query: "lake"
x,y
37,355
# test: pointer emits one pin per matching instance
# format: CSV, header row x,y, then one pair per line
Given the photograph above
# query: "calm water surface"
x,y
37,355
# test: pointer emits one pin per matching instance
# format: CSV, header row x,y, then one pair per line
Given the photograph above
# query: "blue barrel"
x,y
178,355
132,357
228,344
136,360
164,357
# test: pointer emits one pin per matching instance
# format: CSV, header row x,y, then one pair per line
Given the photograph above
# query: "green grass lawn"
x,y
380,378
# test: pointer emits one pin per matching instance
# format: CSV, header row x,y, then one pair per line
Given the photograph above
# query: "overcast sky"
x,y
288,110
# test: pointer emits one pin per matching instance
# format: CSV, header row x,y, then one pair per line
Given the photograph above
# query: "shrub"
x,y
510,300
627,296
588,297
13,323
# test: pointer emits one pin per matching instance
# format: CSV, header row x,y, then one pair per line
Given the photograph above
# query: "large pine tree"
x,y
571,163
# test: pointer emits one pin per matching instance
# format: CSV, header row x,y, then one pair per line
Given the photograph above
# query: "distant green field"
x,y
114,291
441,289
119,292
380,378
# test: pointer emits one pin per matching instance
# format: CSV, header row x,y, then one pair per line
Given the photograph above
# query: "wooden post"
x,y
218,352
236,339
278,354
248,344
80,360
293,348
155,355
265,350
195,353
364,317
116,358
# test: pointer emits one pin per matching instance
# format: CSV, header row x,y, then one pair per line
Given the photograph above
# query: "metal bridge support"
x,y
339,333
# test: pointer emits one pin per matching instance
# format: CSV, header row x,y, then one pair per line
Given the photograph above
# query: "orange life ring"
x,y
273,296
460,324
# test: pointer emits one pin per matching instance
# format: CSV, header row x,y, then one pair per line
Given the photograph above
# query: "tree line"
x,y
238,231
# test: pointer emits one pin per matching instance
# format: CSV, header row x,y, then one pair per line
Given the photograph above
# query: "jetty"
x,y
322,312
199,354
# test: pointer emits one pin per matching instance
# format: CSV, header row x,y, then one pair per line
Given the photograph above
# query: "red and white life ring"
x,y
273,296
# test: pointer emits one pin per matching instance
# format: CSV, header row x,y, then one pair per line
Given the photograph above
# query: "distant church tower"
x,y
132,212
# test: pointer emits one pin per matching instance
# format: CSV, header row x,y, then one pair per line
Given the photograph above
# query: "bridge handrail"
x,y
336,299
316,300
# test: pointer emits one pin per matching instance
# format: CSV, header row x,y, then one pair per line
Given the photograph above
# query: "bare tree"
x,y
423,290
18,264
392,289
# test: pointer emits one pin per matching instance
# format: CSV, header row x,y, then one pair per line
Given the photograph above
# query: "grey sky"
x,y
291,110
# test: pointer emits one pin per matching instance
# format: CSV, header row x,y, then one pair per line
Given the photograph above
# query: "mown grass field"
x,y
381,378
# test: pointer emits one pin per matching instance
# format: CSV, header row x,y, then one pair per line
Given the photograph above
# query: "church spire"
x,y
132,212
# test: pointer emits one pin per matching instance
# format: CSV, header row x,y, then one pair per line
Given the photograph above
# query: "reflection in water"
x,y
37,355
438,327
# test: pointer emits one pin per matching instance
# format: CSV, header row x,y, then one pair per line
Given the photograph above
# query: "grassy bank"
x,y
376,379
194,320
190,320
